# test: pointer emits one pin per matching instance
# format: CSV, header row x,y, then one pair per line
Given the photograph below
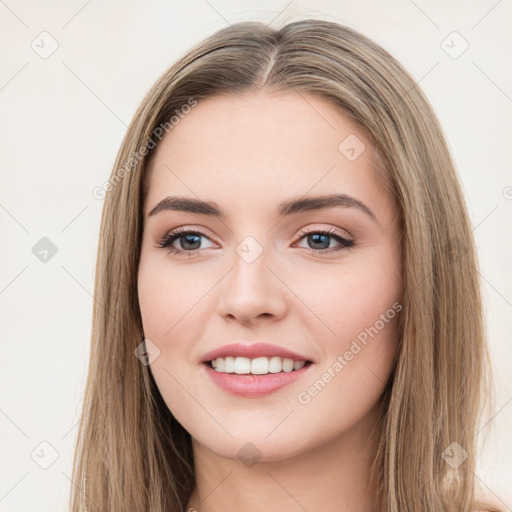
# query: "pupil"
x,y
187,238
318,236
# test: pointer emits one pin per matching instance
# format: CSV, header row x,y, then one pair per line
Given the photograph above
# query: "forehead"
x,y
261,147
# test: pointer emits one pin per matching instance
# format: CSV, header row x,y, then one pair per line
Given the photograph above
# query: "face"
x,y
322,281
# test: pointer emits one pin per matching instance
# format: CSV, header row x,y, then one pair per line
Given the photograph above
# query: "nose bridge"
x,y
251,288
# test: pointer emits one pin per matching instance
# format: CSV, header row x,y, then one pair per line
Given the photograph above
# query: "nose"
x,y
252,291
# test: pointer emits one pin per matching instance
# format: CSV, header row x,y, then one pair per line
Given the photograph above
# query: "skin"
x,y
247,154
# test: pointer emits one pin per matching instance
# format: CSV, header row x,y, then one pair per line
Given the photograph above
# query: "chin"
x,y
252,448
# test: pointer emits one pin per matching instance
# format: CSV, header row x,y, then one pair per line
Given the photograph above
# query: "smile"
x,y
275,373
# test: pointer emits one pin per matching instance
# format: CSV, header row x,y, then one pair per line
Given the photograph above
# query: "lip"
x,y
253,386
253,351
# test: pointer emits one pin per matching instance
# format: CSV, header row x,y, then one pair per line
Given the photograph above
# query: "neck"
x,y
332,476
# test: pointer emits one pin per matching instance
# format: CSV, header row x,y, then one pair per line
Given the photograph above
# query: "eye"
x,y
321,243
189,241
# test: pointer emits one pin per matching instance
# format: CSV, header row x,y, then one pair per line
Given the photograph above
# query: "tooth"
x,y
287,364
259,366
256,366
242,365
229,364
274,365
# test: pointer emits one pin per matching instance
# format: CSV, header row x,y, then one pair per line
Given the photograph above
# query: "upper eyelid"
x,y
192,228
333,230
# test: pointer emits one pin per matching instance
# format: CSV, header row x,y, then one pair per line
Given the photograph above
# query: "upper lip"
x,y
252,351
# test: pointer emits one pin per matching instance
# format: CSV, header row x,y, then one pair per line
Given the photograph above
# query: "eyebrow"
x,y
286,208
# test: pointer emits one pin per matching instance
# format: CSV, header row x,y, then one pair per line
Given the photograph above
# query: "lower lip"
x,y
254,385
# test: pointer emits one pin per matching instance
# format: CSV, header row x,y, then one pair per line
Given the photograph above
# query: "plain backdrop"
x,y
71,77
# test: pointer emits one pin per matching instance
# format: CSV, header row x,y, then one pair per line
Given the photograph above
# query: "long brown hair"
x,y
131,453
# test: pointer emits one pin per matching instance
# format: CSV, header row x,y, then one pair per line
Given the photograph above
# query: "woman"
x,y
321,345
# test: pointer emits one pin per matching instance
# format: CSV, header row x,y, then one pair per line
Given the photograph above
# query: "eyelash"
x,y
167,241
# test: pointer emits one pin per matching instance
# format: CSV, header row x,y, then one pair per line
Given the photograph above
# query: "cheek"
x,y
153,298
170,321
168,297
346,301
354,372
359,308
